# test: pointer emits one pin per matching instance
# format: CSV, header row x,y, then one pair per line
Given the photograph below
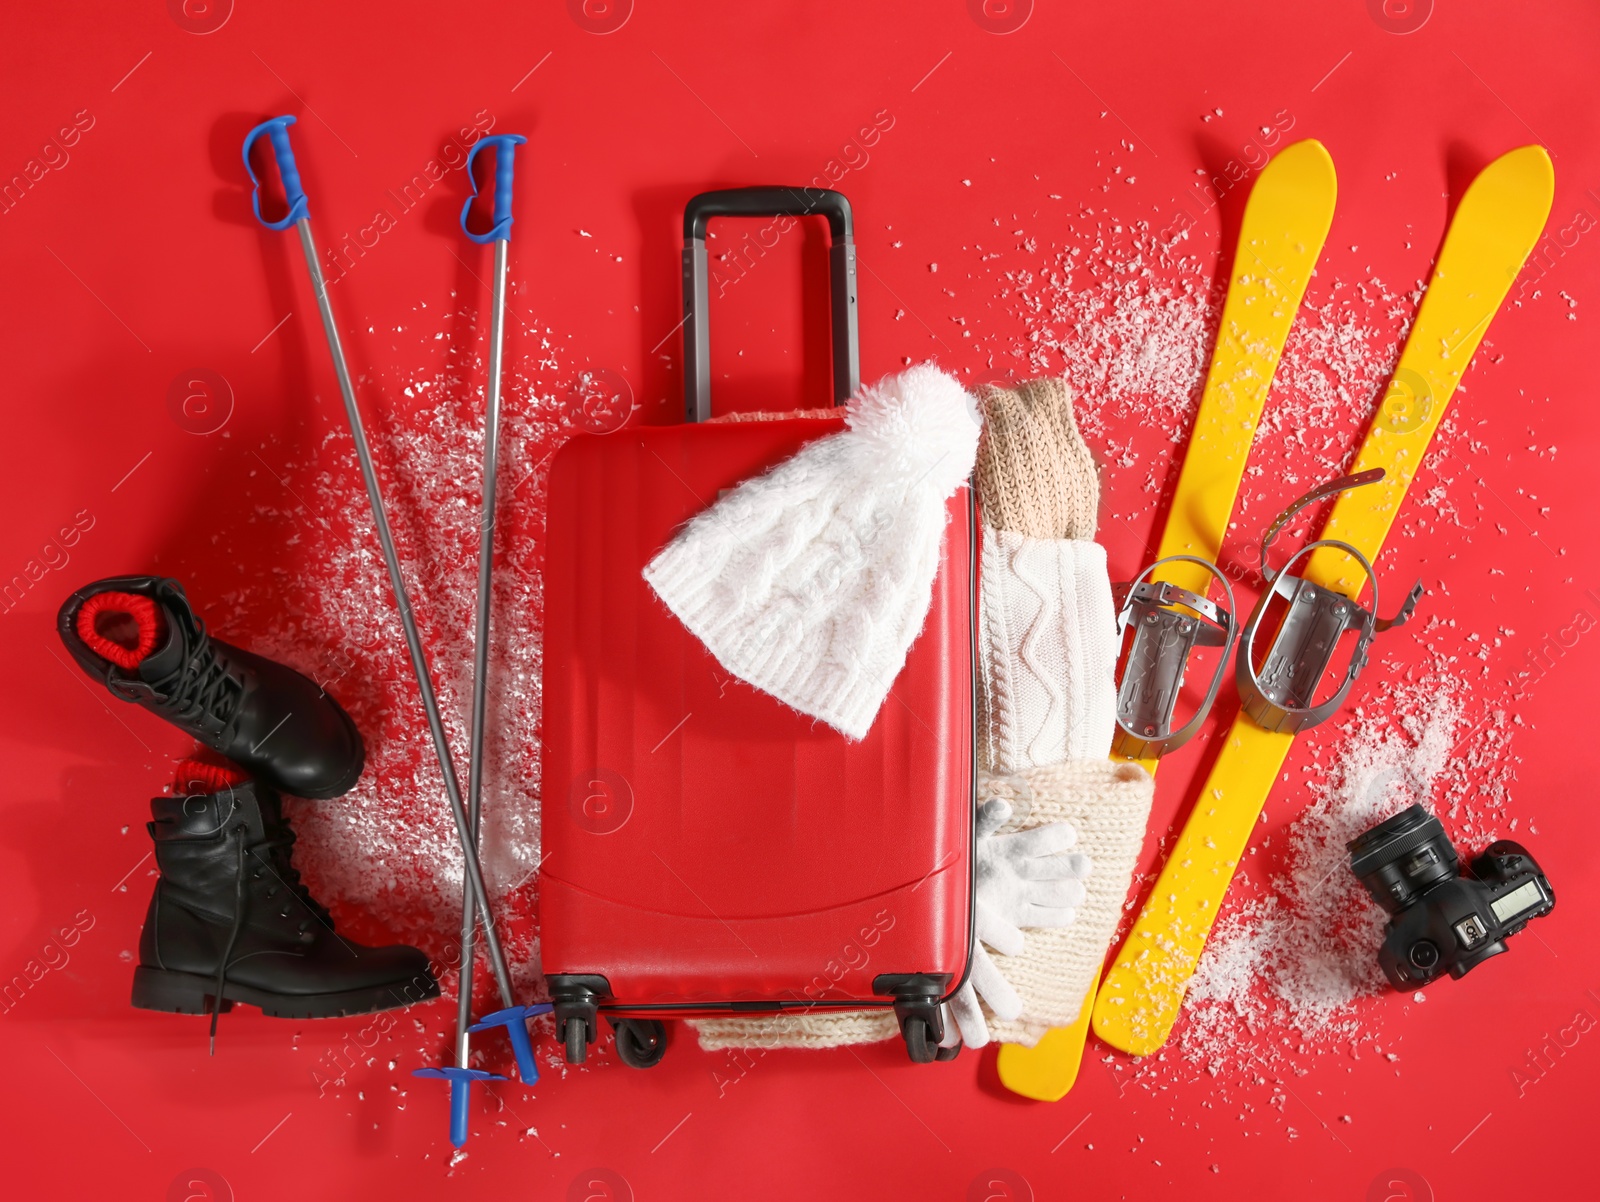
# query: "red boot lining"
x,y
194,776
147,618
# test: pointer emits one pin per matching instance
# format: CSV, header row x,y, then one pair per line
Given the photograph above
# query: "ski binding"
x,y
1281,696
1168,623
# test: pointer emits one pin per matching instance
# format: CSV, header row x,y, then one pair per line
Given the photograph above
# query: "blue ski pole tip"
x,y
515,1021
461,1080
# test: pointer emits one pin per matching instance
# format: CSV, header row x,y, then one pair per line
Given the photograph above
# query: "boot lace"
x,y
206,687
239,894
279,845
277,860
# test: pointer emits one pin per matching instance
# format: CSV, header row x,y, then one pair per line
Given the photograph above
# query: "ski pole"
x,y
512,1018
277,130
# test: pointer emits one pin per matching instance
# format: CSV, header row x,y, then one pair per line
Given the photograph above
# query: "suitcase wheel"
x,y
575,1031
949,1053
917,997
641,1042
922,1044
576,998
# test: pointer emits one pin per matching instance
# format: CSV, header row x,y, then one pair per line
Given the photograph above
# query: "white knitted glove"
x,y
1023,880
963,1017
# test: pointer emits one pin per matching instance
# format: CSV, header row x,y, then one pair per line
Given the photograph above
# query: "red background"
x,y
134,261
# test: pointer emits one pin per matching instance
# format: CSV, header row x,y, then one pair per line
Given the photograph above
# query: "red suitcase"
x,y
708,851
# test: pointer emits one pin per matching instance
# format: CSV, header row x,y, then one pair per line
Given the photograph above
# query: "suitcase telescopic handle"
x,y
766,202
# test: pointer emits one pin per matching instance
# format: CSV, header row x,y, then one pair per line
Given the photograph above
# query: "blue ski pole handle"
x,y
277,130
505,149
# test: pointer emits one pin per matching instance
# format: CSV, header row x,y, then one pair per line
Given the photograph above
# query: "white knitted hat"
x,y
811,581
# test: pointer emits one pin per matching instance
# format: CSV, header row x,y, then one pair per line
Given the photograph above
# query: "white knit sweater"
x,y
811,581
1047,675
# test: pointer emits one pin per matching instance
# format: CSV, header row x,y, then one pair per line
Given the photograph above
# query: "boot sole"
x,y
189,993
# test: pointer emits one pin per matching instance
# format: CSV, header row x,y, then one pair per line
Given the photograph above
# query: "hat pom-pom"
x,y
920,419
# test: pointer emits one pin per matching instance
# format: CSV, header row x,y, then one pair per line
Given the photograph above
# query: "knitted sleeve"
x,y
1035,473
822,1029
1108,804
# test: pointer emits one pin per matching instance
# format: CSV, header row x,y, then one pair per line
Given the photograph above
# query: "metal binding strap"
x,y
1280,696
1163,637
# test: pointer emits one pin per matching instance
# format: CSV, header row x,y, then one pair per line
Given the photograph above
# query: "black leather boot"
x,y
272,721
231,922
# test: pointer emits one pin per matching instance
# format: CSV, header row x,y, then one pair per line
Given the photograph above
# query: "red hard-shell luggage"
x,y
707,850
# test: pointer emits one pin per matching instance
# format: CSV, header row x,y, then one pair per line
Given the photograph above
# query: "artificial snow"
x,y
1303,953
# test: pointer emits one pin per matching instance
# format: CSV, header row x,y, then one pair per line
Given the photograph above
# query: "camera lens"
x,y
1424,954
1400,858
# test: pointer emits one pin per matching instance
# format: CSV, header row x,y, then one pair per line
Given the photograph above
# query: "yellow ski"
x,y
1286,221
1499,219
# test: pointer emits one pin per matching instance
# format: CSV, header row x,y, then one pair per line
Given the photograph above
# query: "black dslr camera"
x,y
1440,919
